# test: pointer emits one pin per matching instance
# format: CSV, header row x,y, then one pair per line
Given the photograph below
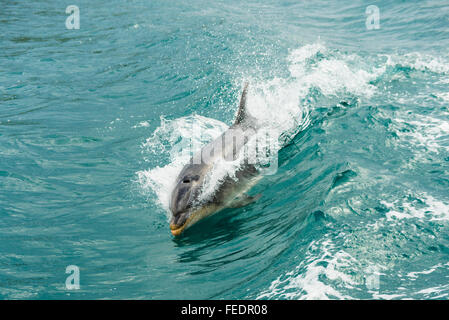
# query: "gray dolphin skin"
x,y
187,203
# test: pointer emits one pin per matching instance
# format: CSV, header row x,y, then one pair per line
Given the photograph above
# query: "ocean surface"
x,y
93,122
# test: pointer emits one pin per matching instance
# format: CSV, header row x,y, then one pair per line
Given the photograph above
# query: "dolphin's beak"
x,y
177,230
190,218
178,223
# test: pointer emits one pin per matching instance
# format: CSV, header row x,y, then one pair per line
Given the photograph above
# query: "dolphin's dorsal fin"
x,y
242,112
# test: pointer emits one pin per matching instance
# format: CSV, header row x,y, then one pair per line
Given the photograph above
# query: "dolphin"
x,y
188,203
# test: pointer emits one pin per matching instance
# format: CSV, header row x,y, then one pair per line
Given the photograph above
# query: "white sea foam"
x,y
419,61
427,132
142,124
329,271
331,75
443,81
426,135
306,281
434,292
443,96
387,296
414,275
427,208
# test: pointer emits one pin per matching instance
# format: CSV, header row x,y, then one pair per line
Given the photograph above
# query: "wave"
x,y
282,105
342,263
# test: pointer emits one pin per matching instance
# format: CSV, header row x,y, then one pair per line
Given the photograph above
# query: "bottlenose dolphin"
x,y
188,203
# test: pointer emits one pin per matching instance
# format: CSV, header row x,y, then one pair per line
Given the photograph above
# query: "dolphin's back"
x,y
228,146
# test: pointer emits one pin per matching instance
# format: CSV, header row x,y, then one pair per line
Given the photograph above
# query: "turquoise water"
x,y
91,121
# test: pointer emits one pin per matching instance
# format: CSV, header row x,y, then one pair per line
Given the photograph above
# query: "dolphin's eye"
x,y
190,179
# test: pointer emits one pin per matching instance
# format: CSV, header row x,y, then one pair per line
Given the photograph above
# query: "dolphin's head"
x,y
185,203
